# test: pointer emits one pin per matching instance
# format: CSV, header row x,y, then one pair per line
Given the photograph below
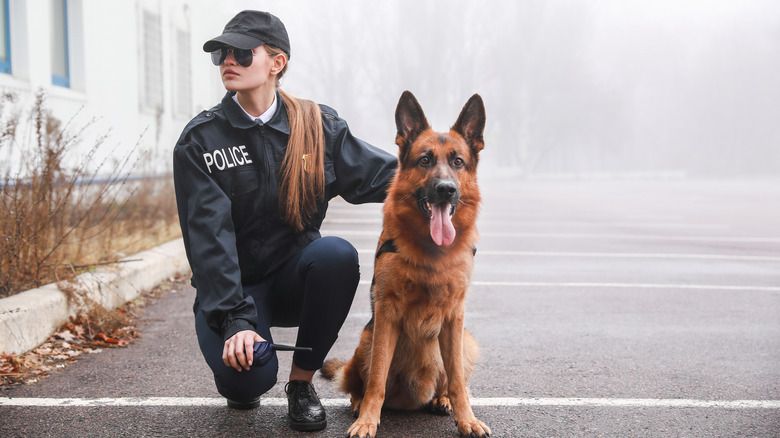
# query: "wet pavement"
x,y
603,309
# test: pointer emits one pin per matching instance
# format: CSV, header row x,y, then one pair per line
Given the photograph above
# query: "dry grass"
x,y
55,221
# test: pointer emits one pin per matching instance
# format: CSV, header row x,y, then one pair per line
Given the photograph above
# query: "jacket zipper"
x,y
268,177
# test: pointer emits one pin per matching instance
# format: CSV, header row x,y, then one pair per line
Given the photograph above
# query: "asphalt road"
x,y
603,309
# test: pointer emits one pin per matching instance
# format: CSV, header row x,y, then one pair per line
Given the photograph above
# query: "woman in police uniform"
x,y
253,177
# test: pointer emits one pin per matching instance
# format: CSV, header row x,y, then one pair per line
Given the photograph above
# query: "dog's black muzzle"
x,y
445,191
440,190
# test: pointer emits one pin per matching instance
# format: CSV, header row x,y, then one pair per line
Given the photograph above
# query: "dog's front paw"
x,y
474,428
362,429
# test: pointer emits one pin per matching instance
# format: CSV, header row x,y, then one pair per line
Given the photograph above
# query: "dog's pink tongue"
x,y
442,231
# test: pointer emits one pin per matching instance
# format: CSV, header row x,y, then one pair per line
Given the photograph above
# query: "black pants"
x,y
314,291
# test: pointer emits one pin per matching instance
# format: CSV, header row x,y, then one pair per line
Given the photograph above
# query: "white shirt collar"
x,y
263,118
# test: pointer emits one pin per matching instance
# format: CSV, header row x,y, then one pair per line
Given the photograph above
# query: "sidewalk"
x,y
29,318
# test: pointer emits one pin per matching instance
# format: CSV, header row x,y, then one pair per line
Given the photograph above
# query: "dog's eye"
x,y
458,162
424,161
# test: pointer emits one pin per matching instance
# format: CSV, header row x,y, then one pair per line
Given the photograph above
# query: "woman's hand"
x,y
239,349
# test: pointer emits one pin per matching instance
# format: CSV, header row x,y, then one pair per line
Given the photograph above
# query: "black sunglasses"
x,y
243,56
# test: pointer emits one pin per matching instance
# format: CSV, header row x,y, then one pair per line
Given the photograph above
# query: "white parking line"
x,y
341,402
734,239
496,222
489,223
616,255
587,285
629,402
621,255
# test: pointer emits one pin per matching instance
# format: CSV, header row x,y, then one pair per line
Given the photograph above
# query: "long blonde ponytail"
x,y
302,174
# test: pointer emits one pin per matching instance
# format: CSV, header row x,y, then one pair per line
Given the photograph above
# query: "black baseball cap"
x,y
250,29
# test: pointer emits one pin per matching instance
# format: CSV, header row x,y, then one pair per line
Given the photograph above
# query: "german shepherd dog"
x,y
415,352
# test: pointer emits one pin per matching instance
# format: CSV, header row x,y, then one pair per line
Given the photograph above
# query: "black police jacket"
x,y
225,169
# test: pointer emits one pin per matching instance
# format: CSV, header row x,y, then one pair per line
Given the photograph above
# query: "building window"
x,y
5,39
182,86
60,65
152,91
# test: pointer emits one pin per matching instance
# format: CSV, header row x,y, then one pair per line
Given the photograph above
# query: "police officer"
x,y
253,177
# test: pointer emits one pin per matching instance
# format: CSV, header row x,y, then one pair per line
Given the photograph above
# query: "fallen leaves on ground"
x,y
86,334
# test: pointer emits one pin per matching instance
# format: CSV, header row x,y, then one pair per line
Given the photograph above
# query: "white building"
x,y
134,66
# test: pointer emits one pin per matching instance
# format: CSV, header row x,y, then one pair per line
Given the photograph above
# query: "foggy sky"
x,y
571,87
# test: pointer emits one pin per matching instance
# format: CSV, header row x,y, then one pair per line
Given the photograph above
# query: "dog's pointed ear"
x,y
409,120
471,123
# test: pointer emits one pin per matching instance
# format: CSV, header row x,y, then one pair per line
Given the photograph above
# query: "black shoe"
x,y
304,410
252,404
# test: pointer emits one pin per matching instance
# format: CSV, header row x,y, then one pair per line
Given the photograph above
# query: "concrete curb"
x,y
27,319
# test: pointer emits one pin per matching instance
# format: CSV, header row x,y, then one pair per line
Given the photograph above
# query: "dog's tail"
x,y
332,368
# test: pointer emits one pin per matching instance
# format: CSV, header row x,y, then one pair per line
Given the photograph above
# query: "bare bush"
x,y
58,221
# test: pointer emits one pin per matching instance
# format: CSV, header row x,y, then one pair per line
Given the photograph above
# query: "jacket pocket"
x,y
242,181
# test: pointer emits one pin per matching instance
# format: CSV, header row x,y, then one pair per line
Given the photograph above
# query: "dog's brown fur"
x,y
415,351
